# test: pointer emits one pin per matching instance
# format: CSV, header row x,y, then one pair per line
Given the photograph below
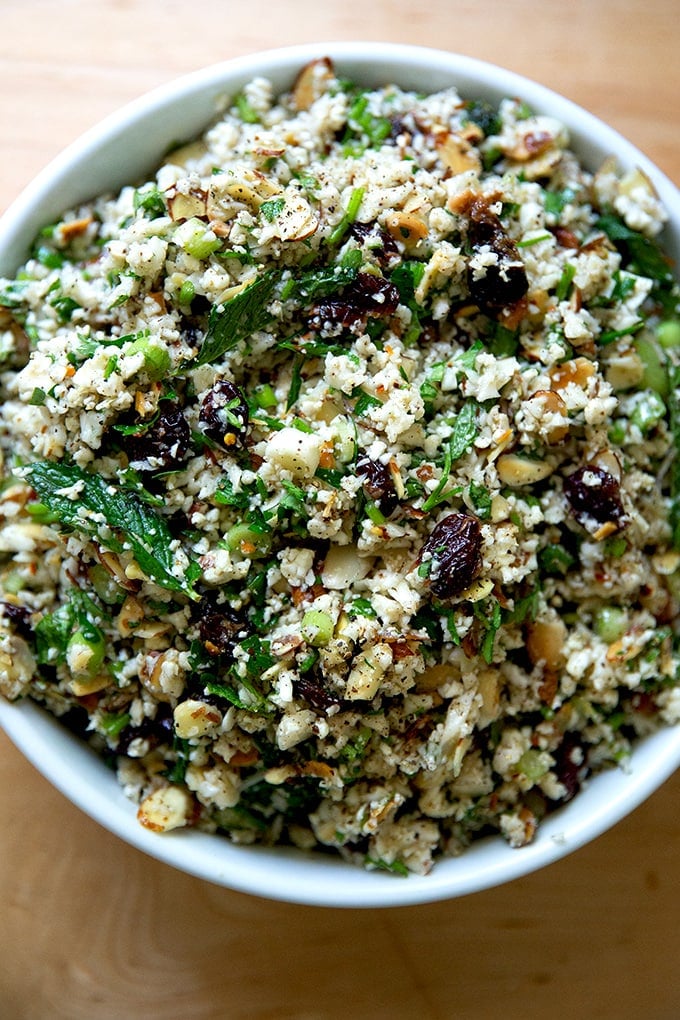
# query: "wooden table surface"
x,y
90,929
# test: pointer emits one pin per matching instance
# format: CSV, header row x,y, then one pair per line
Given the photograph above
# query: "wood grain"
x,y
93,930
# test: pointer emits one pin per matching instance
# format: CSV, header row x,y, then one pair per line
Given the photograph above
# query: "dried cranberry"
x,y
158,730
224,413
595,497
316,695
368,296
571,765
454,550
19,616
218,629
380,243
378,484
504,282
163,444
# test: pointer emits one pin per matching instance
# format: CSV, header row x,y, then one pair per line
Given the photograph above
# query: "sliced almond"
x,y
577,371
312,82
408,228
457,154
551,402
514,470
545,642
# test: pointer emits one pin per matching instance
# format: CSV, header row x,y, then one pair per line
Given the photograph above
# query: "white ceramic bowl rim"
x,y
123,148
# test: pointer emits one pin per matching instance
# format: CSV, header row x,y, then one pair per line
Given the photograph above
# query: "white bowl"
x,y
125,147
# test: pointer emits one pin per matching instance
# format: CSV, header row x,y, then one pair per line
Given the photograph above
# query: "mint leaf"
x,y
319,283
464,430
114,516
238,318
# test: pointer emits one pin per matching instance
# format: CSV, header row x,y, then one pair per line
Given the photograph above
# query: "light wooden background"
x,y
90,929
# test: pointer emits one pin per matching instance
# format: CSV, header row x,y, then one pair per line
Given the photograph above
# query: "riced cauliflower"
x,y
340,501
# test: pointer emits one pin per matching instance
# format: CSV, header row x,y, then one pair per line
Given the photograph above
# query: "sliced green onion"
x,y
317,627
668,333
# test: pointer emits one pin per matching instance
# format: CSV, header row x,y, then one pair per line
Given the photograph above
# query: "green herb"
x,y
555,560
48,257
113,723
505,341
111,366
554,202
226,495
239,819
349,216
480,499
246,112
64,307
360,121
312,348
484,115
466,360
406,278
394,867
624,284
523,111
491,624
260,658
531,241
54,631
441,493
273,208
644,257
464,430
114,516
360,607
177,772
149,199
295,382
564,283
294,498
226,692
37,398
331,476
429,389
238,318
318,283
354,750
364,401
12,293
609,336
525,608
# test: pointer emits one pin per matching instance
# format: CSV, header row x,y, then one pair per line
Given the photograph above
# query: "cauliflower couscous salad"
x,y
340,503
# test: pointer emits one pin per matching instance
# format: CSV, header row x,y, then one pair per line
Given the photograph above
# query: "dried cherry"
x,y
163,444
454,550
224,413
594,496
368,296
378,484
504,282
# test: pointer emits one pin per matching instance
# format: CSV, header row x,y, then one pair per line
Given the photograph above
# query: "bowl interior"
x,y
123,149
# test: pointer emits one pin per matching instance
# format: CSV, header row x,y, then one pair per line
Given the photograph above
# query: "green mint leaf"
x,y
273,208
645,255
481,500
113,515
319,283
238,318
464,430
364,401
